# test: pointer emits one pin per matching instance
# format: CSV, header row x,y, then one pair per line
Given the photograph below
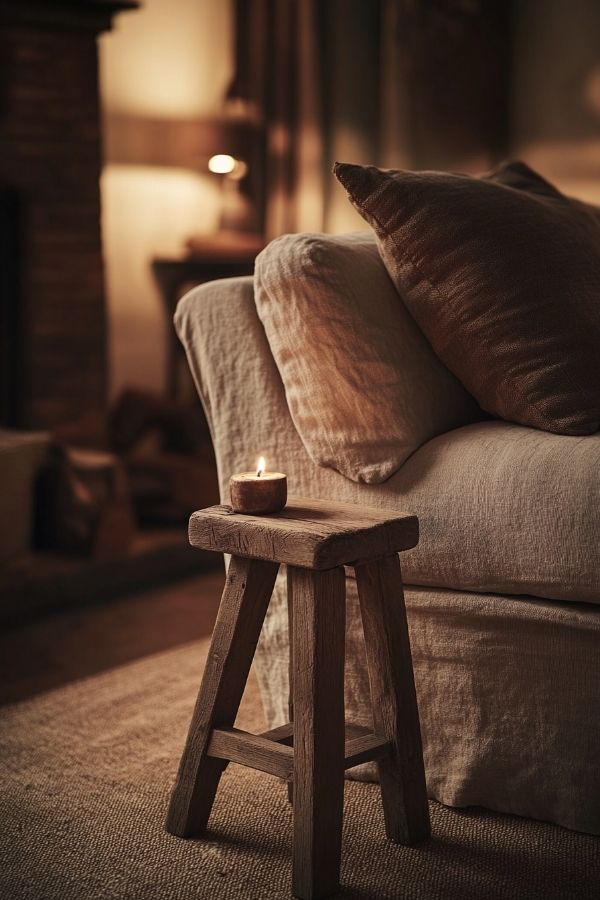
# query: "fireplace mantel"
x,y
89,15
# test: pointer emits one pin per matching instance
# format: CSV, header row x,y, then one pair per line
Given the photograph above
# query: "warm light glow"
x,y
222,164
142,76
147,211
260,466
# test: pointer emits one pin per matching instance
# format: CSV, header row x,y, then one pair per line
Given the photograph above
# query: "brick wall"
x,y
50,152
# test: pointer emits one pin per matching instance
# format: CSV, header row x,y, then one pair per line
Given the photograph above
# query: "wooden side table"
x,y
315,539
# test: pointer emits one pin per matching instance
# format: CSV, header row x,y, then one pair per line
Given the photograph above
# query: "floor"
x,y
473,853
85,782
65,646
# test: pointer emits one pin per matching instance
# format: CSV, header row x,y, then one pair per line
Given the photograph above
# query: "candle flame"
x,y
260,466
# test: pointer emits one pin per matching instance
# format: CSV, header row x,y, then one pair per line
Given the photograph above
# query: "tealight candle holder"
x,y
259,492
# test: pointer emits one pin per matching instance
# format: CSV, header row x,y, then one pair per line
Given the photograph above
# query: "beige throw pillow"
x,y
363,386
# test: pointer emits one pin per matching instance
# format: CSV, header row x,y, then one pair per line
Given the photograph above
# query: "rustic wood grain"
x,y
364,749
283,734
315,534
252,750
394,701
243,607
290,610
319,635
362,744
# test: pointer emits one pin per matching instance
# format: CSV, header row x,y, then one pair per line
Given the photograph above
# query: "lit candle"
x,y
258,492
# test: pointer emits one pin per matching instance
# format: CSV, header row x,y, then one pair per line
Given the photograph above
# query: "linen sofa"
x,y
502,592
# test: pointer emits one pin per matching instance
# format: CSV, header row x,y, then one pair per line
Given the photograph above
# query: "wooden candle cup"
x,y
256,495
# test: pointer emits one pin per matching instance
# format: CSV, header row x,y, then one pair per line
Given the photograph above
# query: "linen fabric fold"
x,y
363,386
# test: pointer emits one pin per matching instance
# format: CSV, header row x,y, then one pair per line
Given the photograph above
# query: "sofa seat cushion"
x,y
363,386
506,509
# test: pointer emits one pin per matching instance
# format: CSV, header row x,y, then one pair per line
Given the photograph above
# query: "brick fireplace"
x,y
75,514
52,303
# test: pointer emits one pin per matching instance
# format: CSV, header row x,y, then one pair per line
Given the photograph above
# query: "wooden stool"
x,y
315,539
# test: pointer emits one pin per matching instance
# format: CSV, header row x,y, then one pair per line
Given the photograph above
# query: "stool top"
x,y
313,534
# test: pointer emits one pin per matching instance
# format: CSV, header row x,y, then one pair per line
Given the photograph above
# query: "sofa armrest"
x,y
238,381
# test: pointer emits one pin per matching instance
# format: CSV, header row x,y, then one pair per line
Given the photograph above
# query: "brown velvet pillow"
x,y
503,276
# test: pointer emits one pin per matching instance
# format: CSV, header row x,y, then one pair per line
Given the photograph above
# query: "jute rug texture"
x,y
85,780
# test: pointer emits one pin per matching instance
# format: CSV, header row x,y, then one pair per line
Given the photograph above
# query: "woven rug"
x,y
86,775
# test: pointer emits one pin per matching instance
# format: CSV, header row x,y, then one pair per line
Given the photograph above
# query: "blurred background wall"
x,y
170,60
456,85
555,92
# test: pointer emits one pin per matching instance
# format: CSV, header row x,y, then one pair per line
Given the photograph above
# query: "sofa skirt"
x,y
509,698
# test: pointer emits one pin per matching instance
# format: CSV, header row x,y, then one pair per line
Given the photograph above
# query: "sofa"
x,y
502,591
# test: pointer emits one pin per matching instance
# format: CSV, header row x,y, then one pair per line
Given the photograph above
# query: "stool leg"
x,y
395,711
290,606
319,606
241,614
